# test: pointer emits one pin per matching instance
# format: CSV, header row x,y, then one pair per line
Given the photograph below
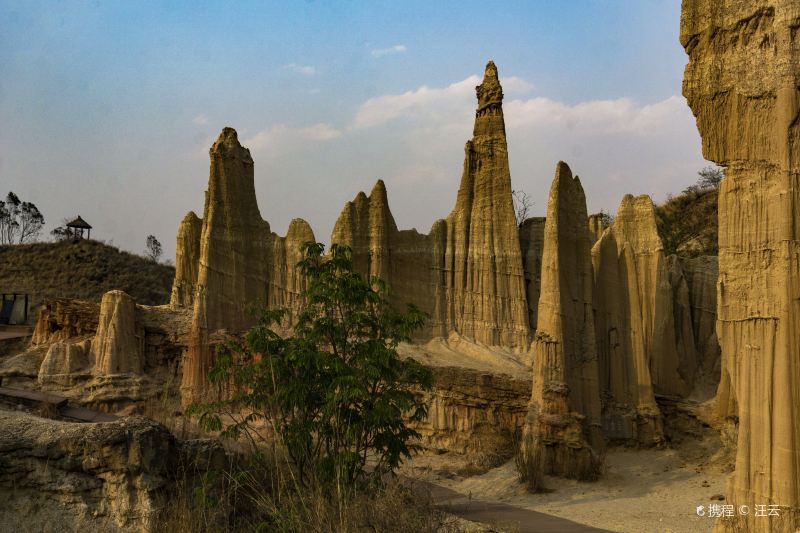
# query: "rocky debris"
x,y
118,346
531,243
742,83
467,273
563,429
187,251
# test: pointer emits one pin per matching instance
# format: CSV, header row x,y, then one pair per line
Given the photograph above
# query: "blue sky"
x,y
108,108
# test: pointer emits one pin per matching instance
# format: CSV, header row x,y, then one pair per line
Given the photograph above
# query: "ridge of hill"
x,y
81,269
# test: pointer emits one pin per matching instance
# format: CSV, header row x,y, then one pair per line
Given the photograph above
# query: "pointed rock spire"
x,y
563,431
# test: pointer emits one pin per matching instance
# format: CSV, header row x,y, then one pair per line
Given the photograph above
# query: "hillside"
x,y
687,222
82,269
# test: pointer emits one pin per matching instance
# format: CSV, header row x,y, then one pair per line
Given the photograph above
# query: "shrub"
x,y
334,391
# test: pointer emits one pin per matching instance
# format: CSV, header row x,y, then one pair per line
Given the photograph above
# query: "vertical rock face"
x,y
531,243
229,261
235,241
286,281
483,257
644,311
187,254
701,276
563,431
596,226
234,259
118,345
742,84
467,273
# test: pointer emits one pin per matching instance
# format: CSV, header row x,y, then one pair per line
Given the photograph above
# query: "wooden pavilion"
x,y
78,225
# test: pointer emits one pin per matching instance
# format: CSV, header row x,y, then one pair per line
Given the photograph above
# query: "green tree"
x,y
335,390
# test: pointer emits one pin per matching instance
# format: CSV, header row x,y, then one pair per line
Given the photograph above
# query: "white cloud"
x,y
200,120
446,103
304,70
396,49
280,138
617,145
417,103
621,115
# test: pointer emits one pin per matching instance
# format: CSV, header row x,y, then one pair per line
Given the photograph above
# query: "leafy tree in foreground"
x,y
335,390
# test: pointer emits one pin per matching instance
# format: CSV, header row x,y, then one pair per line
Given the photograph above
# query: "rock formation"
x,y
235,265
65,363
597,224
118,347
701,277
531,243
187,253
563,430
474,413
467,273
286,281
643,323
742,83
62,319
111,476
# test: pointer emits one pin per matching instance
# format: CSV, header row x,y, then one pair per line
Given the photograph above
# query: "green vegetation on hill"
x,y
687,222
82,269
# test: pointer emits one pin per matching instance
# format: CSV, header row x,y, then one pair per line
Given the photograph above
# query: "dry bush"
x,y
261,494
45,410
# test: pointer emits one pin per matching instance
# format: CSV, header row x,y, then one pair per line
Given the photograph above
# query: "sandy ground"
x,y
641,491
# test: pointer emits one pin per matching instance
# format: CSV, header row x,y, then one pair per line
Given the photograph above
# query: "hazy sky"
x,y
108,109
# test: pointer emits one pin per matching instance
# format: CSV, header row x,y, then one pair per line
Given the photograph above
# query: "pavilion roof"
x,y
79,223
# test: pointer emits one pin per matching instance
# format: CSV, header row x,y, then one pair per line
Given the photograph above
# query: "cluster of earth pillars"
x,y
568,332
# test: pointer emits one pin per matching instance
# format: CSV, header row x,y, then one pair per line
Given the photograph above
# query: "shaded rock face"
x,y
701,275
236,265
742,82
116,476
531,243
563,430
467,274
